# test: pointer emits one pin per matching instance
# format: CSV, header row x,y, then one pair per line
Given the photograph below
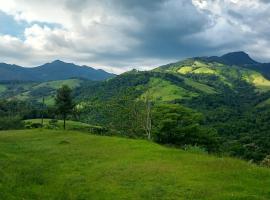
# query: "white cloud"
x,y
122,34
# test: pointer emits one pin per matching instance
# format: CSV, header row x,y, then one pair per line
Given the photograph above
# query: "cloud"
x,y
118,35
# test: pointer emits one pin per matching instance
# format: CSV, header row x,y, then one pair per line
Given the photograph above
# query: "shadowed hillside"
x,y
57,70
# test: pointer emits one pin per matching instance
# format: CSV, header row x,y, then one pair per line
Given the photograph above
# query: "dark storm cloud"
x,y
123,33
265,1
164,24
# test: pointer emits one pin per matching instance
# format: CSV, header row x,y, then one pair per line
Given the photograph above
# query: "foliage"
x,y
13,112
7,123
175,124
54,124
195,149
266,161
63,102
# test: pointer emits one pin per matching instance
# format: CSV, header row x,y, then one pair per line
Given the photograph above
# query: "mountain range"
x,y
56,70
59,70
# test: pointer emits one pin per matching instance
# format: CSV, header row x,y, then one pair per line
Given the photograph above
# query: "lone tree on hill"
x,y
63,102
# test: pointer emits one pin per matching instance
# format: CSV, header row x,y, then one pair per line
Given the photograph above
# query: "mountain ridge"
x,y
234,58
56,70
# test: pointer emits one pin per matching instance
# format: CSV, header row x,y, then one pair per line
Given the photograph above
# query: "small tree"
x,y
148,119
63,101
266,161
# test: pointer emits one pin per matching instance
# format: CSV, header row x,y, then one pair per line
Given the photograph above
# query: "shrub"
x,y
8,123
181,126
27,125
266,161
195,149
99,130
36,125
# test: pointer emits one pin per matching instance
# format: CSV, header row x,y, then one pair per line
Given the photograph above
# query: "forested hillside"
x,y
232,102
220,104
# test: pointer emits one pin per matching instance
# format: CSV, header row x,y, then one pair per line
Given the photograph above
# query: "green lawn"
x,y
69,124
42,164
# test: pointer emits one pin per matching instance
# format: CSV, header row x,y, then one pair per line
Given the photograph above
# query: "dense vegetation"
x,y
232,102
43,164
218,104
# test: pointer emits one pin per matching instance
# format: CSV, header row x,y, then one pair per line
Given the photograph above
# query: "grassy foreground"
x,y
70,125
43,164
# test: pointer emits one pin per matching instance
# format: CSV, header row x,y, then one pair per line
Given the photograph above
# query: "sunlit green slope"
x,y
40,164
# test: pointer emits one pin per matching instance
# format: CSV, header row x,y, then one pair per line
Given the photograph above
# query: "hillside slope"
x,y
233,99
241,59
41,164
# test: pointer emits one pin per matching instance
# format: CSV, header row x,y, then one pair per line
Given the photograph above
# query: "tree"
x,y
148,121
181,126
63,101
42,110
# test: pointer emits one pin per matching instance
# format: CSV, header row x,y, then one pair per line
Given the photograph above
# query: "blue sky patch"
x,y
9,26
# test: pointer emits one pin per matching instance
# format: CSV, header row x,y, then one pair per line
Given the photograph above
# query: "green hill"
x,y
231,98
40,164
35,91
48,90
225,73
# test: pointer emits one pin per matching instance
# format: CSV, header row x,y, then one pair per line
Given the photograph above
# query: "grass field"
x,y
43,164
69,124
162,90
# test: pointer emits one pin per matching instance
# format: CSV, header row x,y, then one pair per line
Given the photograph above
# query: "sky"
x,y
119,35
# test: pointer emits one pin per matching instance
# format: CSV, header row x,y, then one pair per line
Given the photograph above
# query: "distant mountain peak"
x,y
239,53
57,61
233,58
238,58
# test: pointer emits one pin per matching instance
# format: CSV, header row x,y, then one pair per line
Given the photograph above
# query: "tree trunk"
x,y
42,112
148,120
64,122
